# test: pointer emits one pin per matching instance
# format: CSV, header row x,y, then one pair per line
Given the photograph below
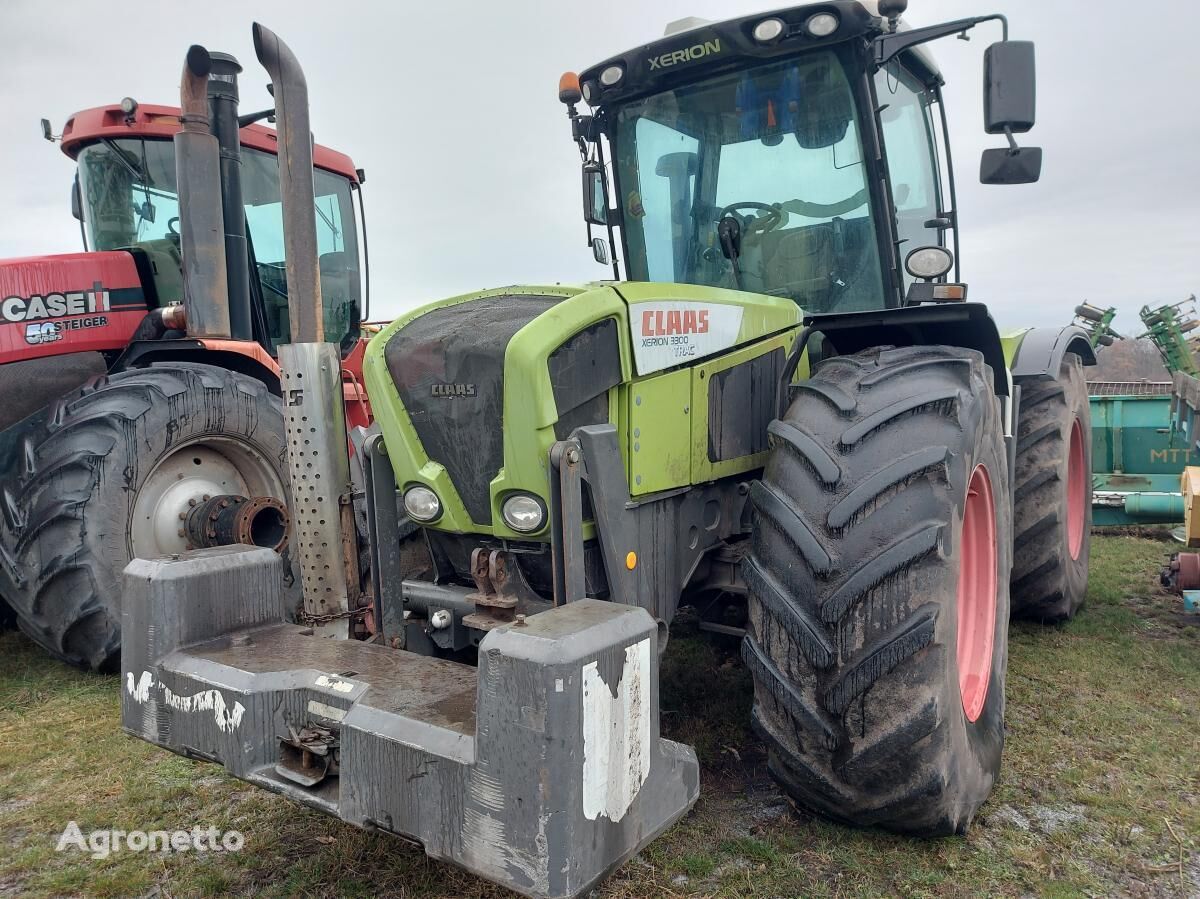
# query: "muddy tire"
x,y
1052,514
878,688
77,493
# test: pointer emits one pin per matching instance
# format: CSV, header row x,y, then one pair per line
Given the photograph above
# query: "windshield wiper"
x,y
146,210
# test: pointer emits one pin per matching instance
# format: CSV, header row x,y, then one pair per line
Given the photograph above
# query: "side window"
x,y
337,246
666,165
909,139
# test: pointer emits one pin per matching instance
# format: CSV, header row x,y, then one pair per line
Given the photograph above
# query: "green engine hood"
x,y
471,392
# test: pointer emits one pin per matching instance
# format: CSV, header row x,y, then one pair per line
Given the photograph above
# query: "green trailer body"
x,y
1137,458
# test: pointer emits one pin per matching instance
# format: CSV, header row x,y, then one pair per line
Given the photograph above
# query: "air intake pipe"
x,y
295,185
202,229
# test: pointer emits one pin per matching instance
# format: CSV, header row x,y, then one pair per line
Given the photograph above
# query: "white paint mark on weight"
x,y
141,690
616,735
325,711
334,684
226,718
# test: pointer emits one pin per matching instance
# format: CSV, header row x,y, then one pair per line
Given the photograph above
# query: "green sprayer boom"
x,y
1166,326
1097,323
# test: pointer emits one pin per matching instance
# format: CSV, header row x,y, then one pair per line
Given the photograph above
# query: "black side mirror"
x,y
595,209
1022,165
1009,87
76,200
600,250
1010,107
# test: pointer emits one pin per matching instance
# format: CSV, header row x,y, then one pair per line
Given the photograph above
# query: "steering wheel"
x,y
171,223
771,219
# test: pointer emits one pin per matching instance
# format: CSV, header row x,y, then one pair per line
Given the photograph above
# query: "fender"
x,y
248,358
1039,352
966,325
242,356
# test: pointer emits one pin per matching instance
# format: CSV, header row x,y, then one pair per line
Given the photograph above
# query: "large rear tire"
x,y
1052,517
102,476
878,581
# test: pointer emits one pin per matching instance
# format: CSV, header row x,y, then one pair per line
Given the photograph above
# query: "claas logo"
x,y
452,391
664,323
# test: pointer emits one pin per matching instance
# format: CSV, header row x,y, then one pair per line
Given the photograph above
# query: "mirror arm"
x,y
608,216
888,46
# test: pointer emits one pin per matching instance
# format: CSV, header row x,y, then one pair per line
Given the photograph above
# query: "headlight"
x,y
767,30
523,513
612,75
822,24
422,503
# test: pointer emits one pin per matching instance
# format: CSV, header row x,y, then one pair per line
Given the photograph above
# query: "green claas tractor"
x,y
782,413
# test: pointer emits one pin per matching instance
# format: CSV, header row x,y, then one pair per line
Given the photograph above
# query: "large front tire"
x,y
102,477
1052,517
878,581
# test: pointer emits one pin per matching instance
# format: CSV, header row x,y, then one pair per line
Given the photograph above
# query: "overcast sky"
x,y
472,180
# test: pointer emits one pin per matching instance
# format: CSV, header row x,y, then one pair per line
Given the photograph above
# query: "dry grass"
x,y
1100,794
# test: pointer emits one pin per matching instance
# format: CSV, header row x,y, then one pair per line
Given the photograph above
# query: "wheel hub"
x,y
1077,475
187,477
977,593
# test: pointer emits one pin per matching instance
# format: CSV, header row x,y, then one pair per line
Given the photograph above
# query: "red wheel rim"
x,y
1076,491
977,593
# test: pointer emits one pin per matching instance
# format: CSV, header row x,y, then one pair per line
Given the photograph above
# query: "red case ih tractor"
x,y
141,409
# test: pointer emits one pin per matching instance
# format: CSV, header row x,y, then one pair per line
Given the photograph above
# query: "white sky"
x,y
472,181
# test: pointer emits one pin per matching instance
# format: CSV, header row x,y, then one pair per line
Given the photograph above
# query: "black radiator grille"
x,y
448,366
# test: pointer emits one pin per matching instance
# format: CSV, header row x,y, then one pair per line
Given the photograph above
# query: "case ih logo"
x,y
687,54
54,305
665,322
452,391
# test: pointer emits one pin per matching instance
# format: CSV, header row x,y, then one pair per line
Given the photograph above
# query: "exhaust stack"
x,y
295,185
314,413
202,229
223,110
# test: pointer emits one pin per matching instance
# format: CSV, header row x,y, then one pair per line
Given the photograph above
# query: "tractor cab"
x,y
801,153
125,197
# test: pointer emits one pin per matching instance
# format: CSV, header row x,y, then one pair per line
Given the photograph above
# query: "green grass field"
x,y
1100,792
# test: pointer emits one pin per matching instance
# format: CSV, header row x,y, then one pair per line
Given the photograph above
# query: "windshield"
x,y
775,149
129,201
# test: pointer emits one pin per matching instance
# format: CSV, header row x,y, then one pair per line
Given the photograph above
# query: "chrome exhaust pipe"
x,y
295,185
324,538
201,221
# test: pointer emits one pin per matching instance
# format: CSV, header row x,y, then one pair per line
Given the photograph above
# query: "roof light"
x,y
568,88
822,24
128,105
612,75
589,91
928,263
768,30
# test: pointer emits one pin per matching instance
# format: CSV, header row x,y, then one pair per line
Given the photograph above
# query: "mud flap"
x,y
540,770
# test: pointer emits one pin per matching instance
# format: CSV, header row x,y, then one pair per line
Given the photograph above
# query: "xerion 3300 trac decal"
x,y
672,332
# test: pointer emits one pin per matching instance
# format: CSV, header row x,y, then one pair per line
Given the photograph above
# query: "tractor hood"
x,y
471,392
